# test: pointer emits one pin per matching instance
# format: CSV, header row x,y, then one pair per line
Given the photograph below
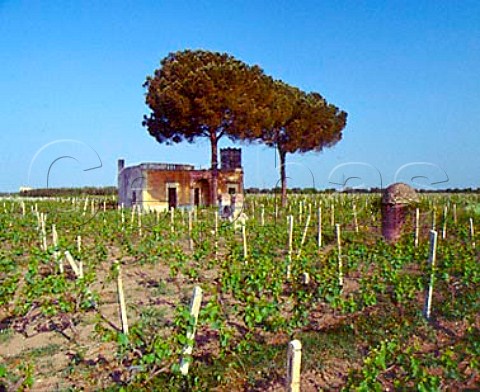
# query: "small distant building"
x,y
25,189
160,186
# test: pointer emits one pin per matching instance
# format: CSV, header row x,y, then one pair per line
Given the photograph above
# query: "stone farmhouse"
x,y
161,186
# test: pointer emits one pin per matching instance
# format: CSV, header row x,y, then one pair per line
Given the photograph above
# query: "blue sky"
x,y
407,73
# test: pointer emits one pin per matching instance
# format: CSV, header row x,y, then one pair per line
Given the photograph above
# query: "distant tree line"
x,y
70,192
112,191
313,191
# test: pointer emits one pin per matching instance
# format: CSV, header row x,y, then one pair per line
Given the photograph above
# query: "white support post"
x,y
190,227
44,231
434,218
332,214
294,363
121,299
304,236
132,215
139,215
85,206
444,229
244,237
432,262
319,228
104,212
417,226
472,233
290,245
340,261
306,278
216,235
195,304
355,220
57,259
73,263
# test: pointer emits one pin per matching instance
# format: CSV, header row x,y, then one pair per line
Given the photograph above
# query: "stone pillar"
x,y
397,202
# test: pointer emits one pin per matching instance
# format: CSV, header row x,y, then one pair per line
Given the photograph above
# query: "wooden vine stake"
x,y
190,227
417,226
216,235
444,229
304,236
188,349
340,262
104,212
306,278
85,206
79,244
455,213
139,223
121,299
44,232
244,237
290,245
73,263
432,261
57,259
319,228
355,220
262,215
434,217
172,219
472,233
332,214
294,362
132,216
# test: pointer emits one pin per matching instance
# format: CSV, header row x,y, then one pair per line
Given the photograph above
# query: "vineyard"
x,y
93,296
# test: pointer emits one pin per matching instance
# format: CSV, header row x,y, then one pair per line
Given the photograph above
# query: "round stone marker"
x,y
397,202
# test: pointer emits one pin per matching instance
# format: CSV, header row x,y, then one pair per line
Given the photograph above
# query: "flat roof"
x,y
162,166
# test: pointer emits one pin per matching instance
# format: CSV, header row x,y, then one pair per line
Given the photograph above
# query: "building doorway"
x,y
196,197
172,197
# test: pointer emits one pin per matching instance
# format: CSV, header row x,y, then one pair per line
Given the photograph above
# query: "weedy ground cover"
x,y
366,331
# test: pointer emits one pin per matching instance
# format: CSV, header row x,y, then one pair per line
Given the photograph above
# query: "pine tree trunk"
x,y
283,176
214,169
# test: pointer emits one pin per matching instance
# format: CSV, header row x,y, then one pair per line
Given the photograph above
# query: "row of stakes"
x,y
294,347
294,351
192,216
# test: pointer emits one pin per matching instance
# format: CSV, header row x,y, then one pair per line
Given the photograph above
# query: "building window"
x,y
232,189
